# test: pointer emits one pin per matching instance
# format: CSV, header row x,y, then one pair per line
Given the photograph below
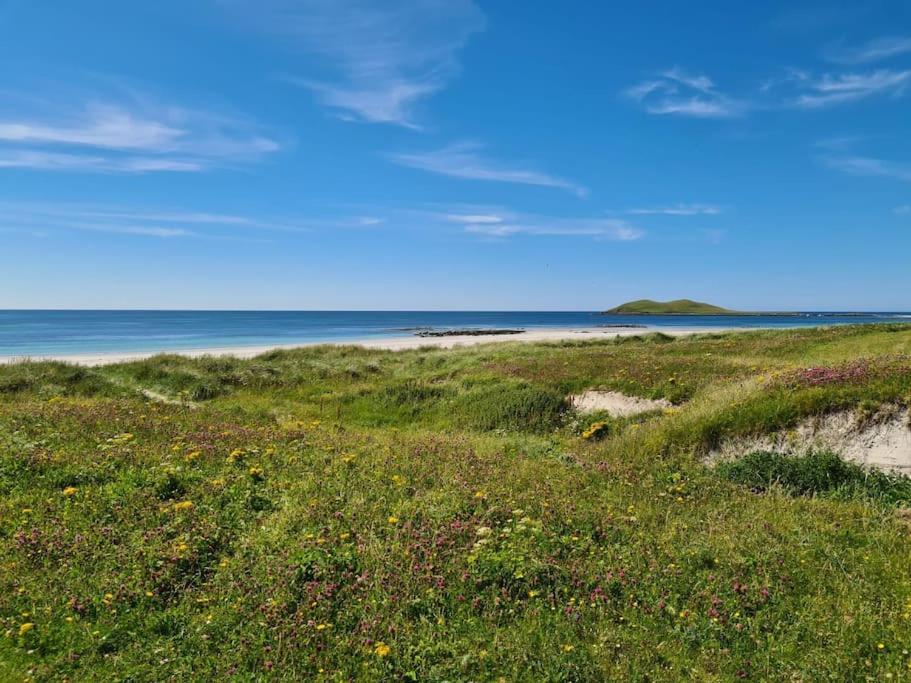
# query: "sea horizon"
x,y
69,332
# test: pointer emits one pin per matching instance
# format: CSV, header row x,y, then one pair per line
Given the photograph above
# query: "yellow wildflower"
x,y
256,472
568,648
70,491
393,519
183,505
381,649
25,628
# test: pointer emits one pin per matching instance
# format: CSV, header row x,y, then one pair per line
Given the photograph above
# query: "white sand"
x,y
390,344
883,442
615,403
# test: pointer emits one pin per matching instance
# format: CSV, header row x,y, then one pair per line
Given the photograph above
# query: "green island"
x,y
676,307
337,513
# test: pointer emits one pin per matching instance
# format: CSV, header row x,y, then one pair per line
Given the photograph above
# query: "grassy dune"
x,y
337,513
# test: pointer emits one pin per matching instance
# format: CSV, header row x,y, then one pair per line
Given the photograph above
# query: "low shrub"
x,y
411,393
53,378
822,473
512,407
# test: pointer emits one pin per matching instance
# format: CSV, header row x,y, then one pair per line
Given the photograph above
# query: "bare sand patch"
x,y
615,403
882,441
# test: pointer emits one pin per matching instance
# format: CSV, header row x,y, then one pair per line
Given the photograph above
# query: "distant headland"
x,y
690,307
677,307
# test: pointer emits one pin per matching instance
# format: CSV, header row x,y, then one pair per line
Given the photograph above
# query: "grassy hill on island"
x,y
679,306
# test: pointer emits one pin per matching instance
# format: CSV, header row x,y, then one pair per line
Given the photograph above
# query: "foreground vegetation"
x,y
337,513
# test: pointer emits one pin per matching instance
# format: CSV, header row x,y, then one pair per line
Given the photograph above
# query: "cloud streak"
x,y
379,58
832,89
126,134
166,224
465,160
676,92
873,51
678,210
871,166
499,224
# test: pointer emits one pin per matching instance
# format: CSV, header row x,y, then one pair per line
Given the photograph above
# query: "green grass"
x,y
292,516
823,474
678,306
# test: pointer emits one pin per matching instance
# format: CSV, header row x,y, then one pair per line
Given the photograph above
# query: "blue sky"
x,y
450,154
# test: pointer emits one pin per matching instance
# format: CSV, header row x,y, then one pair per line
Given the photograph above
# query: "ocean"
x,y
60,333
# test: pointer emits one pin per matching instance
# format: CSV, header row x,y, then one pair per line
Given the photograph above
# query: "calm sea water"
x,y
40,333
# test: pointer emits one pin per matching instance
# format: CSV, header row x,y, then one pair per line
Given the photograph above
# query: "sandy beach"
x,y
389,344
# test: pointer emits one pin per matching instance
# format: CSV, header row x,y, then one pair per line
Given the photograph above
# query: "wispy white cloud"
x,y
831,89
475,218
123,133
169,223
677,92
102,126
59,161
698,82
873,51
465,160
497,223
594,227
871,166
679,210
142,230
381,56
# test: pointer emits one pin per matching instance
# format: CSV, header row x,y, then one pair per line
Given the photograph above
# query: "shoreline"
x,y
386,344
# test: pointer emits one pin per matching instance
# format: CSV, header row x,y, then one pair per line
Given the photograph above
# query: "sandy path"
x,y
390,344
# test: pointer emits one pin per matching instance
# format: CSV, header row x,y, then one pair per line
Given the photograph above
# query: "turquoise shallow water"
x,y
45,333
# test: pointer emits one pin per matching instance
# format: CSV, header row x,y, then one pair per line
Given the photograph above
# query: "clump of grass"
x,y
51,378
517,407
815,474
411,393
